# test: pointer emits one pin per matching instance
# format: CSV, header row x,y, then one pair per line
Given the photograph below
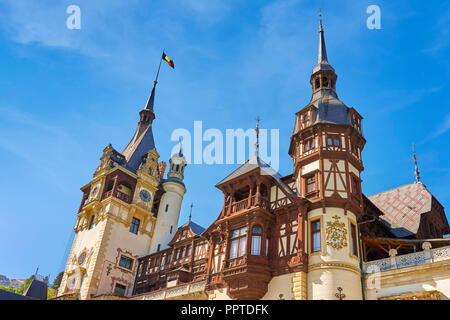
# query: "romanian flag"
x,y
168,60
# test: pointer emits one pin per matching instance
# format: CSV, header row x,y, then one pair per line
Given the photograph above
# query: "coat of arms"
x,y
336,234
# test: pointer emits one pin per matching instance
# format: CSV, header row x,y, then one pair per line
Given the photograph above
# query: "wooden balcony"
x,y
247,203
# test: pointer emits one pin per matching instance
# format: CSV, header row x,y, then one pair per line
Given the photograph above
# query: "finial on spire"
x,y
320,17
416,166
181,147
190,213
257,137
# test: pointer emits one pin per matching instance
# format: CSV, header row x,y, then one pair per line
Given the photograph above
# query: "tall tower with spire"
x,y
120,212
326,148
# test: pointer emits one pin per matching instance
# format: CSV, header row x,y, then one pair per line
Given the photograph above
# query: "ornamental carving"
x,y
336,233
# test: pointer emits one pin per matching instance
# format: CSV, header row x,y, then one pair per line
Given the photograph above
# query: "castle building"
x,y
127,210
312,234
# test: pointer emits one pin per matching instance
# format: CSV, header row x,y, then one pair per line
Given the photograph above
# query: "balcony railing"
x,y
246,204
407,260
117,194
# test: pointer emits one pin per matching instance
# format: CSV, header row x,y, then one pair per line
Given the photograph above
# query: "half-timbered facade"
x,y
312,234
305,235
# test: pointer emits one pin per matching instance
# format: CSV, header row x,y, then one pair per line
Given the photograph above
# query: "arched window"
x,y
317,83
325,82
256,240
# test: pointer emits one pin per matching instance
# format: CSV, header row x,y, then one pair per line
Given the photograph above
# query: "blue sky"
x,y
66,94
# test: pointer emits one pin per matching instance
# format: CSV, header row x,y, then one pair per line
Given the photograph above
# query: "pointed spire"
x,y
322,47
416,166
322,58
257,138
151,99
190,213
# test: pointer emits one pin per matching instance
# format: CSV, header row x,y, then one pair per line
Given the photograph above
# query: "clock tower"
x,y
117,216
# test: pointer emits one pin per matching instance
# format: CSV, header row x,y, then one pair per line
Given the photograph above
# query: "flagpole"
x,y
159,67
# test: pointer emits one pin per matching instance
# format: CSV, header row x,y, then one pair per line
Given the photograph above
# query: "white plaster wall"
x,y
323,282
130,244
280,285
173,197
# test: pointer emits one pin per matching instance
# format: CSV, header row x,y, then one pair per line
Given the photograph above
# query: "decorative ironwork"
x,y
340,295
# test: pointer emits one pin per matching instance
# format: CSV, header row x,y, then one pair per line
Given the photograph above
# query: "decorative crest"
x,y
336,233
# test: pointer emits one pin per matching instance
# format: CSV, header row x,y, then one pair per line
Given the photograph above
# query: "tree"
x,y
57,281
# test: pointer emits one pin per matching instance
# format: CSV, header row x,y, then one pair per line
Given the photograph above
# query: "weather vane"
x,y
416,166
190,212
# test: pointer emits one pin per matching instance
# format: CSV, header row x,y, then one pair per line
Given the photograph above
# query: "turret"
x,y
326,147
170,204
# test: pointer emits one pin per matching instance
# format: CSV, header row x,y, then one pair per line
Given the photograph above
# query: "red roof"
x,y
403,206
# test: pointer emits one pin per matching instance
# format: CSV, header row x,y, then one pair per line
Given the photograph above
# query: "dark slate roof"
x,y
329,109
138,147
197,229
265,169
37,290
7,295
403,207
174,179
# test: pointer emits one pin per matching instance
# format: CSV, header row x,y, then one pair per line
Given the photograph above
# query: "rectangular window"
x,y
355,186
126,262
315,236
256,245
159,247
233,249
135,222
311,184
354,240
333,141
181,253
309,145
120,289
188,250
238,242
92,222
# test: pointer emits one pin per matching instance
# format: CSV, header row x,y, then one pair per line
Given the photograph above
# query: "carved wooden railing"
x,y
246,204
407,260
